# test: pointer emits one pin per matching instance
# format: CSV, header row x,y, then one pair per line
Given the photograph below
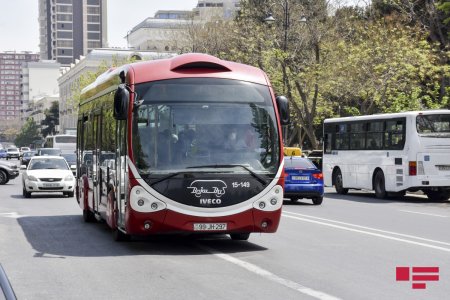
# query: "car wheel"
x,y
70,194
239,236
379,185
3,177
317,200
338,183
294,199
120,236
25,194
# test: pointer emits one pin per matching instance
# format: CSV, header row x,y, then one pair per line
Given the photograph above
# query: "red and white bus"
x,y
187,144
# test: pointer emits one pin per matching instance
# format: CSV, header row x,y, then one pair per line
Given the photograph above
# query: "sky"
x,y
19,25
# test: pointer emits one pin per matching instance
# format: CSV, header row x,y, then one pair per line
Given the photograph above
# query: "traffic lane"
x,y
411,215
56,255
347,264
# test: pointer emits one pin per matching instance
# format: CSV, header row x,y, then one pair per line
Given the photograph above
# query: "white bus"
x,y
66,142
389,153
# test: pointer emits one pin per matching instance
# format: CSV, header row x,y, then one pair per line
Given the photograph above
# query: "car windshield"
x,y
184,124
12,149
49,151
70,157
300,163
48,163
28,154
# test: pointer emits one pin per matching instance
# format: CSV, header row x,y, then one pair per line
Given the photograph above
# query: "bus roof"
x,y
190,65
387,116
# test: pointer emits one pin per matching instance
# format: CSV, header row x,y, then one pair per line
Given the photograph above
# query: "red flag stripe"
x,y
425,269
419,286
425,278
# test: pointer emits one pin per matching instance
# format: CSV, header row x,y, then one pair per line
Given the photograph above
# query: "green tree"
x,y
381,66
51,119
28,134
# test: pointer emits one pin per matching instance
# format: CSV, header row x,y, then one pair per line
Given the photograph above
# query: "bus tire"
x,y
339,183
239,236
379,185
88,216
439,195
120,236
317,200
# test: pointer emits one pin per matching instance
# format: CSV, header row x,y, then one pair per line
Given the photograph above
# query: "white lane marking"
x,y
13,215
373,229
372,233
421,213
270,276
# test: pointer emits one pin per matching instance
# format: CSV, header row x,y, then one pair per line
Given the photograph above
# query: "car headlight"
x,y
32,178
68,178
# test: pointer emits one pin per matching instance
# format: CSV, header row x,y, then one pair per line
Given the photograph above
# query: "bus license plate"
x,y
210,226
300,177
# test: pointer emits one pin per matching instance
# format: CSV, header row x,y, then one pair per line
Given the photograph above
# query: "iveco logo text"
x,y
202,187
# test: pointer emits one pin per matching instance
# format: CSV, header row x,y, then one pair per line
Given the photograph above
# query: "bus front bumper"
x,y
168,222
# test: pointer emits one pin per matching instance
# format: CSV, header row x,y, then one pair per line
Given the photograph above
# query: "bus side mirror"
x,y
121,99
283,110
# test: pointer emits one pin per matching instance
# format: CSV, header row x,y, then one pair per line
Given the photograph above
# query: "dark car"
x,y
2,153
48,151
71,159
316,157
26,156
8,171
302,180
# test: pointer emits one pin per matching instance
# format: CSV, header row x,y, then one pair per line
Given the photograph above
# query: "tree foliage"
x,y
51,119
28,134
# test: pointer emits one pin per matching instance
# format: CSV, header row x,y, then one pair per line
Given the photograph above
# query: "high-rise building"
x,y
11,82
71,28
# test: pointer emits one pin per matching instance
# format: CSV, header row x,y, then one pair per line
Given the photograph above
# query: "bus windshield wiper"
x,y
168,176
258,177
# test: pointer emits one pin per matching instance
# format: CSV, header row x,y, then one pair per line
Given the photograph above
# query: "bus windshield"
x,y
184,124
436,125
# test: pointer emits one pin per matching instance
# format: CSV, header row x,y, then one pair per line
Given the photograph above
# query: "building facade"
x,y
39,79
71,28
11,97
216,9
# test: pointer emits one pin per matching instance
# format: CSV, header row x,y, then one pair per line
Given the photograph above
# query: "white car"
x,y
46,174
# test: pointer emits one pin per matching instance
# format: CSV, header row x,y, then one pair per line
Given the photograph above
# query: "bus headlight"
x,y
143,201
271,201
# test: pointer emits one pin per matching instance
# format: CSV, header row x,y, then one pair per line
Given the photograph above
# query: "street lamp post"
x,y
270,20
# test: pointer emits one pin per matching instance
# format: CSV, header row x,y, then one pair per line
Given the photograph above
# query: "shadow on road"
x,y
68,235
369,197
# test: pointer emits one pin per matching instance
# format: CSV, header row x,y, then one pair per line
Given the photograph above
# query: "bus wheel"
x,y
379,186
88,216
439,195
338,183
239,236
120,236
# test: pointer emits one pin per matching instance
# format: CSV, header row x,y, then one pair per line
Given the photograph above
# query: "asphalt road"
x,y
347,248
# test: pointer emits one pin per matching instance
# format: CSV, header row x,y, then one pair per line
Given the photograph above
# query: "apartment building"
x,y
71,28
11,97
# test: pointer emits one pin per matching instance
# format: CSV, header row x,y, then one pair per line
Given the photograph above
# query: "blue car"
x,y
302,180
2,153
